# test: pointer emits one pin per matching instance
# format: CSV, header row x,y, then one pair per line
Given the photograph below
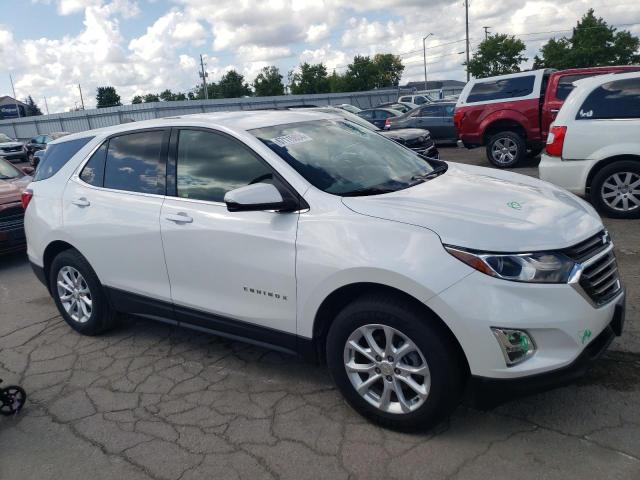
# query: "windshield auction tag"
x,y
291,139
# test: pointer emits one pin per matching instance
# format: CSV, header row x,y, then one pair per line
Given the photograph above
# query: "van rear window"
x,y
502,89
56,156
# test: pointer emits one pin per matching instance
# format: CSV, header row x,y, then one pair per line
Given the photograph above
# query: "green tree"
x,y
337,83
592,43
362,74
497,55
232,85
107,97
32,109
268,82
150,98
137,99
312,78
390,69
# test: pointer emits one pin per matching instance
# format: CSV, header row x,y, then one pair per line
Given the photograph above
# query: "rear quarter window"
x,y
56,157
613,100
502,89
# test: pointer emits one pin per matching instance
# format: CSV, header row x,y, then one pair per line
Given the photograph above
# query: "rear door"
x,y
111,210
448,126
231,271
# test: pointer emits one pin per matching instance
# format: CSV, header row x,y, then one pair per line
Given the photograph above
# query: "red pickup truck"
x,y
511,114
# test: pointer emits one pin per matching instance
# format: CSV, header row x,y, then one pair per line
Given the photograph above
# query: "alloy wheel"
x,y
387,369
621,191
504,150
74,294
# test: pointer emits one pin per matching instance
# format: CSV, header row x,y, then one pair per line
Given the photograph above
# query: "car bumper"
x,y
486,392
568,174
559,319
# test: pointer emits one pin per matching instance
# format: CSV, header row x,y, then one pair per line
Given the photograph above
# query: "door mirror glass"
x,y
257,197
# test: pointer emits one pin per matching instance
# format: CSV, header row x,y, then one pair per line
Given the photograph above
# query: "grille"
x,y
11,222
599,279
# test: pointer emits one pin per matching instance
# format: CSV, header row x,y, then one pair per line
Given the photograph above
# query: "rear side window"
x,y
431,111
210,165
565,84
419,100
93,171
133,163
617,99
57,155
502,89
405,99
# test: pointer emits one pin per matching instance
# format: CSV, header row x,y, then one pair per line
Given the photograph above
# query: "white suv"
x,y
310,234
593,148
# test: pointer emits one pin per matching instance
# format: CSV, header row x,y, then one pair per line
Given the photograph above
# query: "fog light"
x,y
516,345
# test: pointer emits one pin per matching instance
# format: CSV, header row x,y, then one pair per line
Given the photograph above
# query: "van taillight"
x,y
555,141
26,197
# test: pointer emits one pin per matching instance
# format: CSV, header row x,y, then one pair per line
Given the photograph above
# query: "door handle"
x,y
81,202
180,217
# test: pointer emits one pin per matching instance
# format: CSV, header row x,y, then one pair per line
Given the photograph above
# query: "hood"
x,y
10,144
487,209
405,133
11,190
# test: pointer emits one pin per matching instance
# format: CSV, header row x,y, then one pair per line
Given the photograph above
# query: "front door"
x,y
229,271
430,118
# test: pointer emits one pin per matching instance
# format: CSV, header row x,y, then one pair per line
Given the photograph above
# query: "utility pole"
x,y
46,105
466,17
424,55
81,99
204,76
486,32
15,100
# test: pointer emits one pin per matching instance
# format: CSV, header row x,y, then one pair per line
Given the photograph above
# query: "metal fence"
x,y
26,128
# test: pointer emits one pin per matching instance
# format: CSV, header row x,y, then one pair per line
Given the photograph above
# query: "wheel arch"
x,y
342,296
50,252
503,125
604,163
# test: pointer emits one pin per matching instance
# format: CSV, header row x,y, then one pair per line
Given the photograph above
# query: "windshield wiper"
x,y
5,177
432,174
360,192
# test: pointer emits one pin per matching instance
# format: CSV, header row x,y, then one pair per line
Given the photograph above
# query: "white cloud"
x,y
317,33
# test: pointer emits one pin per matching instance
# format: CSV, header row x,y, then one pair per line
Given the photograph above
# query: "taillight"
x,y
555,141
457,119
387,123
27,195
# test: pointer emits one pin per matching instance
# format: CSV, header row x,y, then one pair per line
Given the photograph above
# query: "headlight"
x,y
539,267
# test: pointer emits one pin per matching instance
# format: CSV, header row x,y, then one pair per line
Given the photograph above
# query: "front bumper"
x,y
486,392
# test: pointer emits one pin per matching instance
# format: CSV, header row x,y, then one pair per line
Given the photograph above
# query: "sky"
x,y
142,46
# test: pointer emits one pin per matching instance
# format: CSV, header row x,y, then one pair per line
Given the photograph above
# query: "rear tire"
x,y
79,295
616,188
421,345
506,149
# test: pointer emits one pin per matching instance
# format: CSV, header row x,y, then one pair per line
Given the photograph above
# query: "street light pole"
x,y
424,55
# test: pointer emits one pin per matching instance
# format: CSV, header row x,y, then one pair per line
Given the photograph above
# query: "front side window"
x,y
613,100
56,157
93,171
368,114
133,163
420,100
210,164
502,89
342,158
449,110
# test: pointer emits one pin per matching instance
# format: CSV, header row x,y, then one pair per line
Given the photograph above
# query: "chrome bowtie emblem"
x,y
605,238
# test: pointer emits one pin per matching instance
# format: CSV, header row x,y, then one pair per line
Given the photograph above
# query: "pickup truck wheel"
x,y
506,149
79,295
394,364
615,189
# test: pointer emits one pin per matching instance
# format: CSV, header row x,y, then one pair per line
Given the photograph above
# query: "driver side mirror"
x,y
258,197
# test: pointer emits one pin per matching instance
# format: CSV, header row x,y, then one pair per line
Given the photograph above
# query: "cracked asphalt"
x,y
150,401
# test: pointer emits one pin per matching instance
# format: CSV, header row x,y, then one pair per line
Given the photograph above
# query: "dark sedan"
x,y
13,181
417,139
435,117
379,116
40,143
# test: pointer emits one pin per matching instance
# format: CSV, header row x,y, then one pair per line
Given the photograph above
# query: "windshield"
x,y
345,159
8,171
4,138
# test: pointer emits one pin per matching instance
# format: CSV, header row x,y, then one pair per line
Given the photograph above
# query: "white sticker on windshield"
x,y
291,139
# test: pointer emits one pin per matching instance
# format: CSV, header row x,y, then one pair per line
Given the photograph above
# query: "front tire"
x,y
79,295
394,364
506,149
615,189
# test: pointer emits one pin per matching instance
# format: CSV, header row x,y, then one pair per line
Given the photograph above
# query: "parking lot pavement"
x,y
153,401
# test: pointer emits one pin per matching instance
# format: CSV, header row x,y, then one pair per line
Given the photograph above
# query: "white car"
x,y
310,234
593,148
415,99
